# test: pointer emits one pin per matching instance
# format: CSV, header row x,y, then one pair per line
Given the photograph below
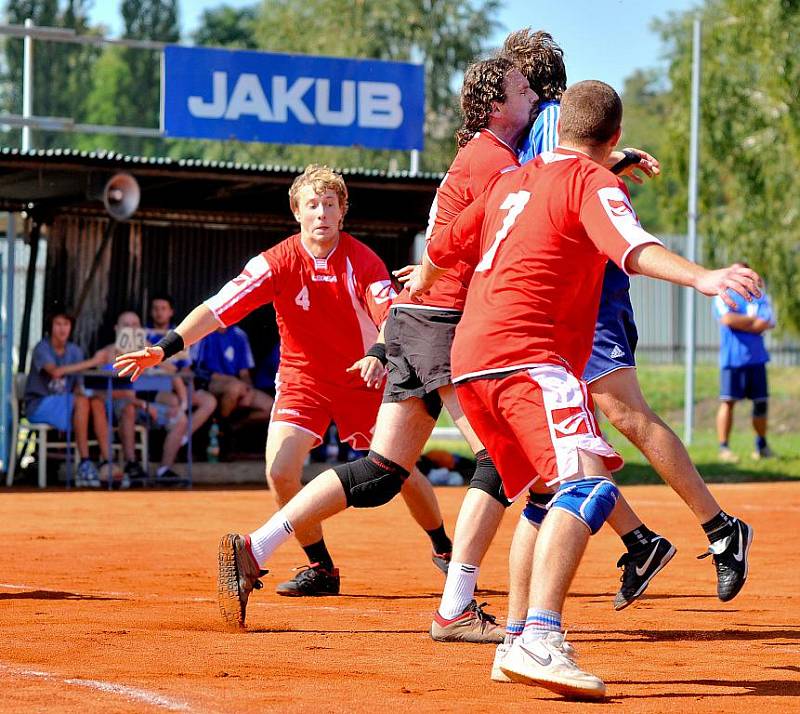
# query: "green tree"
x,y
645,111
750,138
60,68
126,85
227,26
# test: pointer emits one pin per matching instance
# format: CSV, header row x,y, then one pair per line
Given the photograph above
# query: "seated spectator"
x,y
223,359
130,408
54,395
204,403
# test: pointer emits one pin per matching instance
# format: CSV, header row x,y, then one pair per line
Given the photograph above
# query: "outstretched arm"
x,y
656,261
195,326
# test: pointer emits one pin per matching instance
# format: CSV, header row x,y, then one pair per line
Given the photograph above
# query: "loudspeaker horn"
x,y
121,196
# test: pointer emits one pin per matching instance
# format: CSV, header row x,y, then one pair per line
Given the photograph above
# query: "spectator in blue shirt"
x,y
224,359
54,394
162,311
743,361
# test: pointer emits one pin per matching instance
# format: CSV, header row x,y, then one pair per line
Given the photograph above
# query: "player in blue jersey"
x,y
743,361
611,373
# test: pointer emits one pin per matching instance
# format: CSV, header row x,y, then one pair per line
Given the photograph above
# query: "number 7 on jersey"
x,y
513,203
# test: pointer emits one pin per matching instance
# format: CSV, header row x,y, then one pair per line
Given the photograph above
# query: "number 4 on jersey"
x,y
302,299
513,203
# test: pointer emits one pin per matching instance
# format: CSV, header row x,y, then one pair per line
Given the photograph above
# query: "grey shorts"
x,y
418,346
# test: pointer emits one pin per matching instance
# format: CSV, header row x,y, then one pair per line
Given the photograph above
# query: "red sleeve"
x,y
461,239
608,217
377,289
253,287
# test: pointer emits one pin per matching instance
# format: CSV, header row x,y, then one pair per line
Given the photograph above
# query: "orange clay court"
x,y
108,604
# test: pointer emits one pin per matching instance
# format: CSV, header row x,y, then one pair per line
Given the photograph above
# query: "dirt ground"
x,y
107,604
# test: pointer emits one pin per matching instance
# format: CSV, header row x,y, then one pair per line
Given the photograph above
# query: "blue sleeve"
x,y
543,135
42,355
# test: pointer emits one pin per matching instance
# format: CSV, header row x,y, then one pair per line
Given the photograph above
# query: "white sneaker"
x,y
549,662
497,673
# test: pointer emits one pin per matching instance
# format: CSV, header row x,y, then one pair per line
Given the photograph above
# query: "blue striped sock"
x,y
513,630
540,622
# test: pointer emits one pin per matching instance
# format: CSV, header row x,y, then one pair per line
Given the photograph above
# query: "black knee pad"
x,y
760,408
371,481
433,404
486,478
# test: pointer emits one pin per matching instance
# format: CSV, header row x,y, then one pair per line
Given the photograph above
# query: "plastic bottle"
x,y
212,450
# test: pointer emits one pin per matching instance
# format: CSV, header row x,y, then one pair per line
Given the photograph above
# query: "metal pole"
x,y
27,85
414,168
691,248
7,382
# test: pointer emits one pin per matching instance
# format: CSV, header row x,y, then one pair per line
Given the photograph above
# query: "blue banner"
x,y
292,99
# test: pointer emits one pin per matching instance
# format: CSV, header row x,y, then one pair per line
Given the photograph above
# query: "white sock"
x,y
266,540
459,589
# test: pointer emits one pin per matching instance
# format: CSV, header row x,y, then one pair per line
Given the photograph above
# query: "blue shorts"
x,y
54,409
615,337
748,382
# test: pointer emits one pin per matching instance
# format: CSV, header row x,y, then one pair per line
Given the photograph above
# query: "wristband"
x,y
631,157
171,343
378,350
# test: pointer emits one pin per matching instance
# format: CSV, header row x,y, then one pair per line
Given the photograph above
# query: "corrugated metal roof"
x,y
110,158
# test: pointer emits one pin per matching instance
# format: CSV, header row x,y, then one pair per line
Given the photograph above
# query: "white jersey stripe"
x,y
253,276
369,332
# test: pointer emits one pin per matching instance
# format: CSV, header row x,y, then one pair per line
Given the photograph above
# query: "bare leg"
x,y
520,566
724,421
287,448
760,426
205,403
401,430
619,397
229,391
559,548
173,441
80,424
623,519
100,423
480,514
410,419
127,431
421,501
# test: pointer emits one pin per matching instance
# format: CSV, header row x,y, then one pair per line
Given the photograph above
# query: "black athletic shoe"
x,y
731,559
313,580
638,571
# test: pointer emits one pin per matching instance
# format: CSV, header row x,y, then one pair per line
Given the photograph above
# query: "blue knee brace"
x,y
590,500
536,508
760,408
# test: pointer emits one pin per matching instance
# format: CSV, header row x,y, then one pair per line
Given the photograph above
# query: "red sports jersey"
x,y
541,236
476,163
327,308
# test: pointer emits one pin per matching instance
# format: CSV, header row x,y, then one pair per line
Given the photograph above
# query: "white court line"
x,y
130,693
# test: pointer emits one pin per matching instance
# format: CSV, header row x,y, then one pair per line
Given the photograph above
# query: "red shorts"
x,y
311,406
533,422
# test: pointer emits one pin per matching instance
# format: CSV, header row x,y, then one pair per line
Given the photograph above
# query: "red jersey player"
x,y
541,237
331,294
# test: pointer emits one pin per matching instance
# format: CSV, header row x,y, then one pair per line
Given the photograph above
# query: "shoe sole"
x,y
464,637
228,593
670,554
559,687
750,533
441,564
283,593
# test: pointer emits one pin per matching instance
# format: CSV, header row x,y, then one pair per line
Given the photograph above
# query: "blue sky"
x,y
602,39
